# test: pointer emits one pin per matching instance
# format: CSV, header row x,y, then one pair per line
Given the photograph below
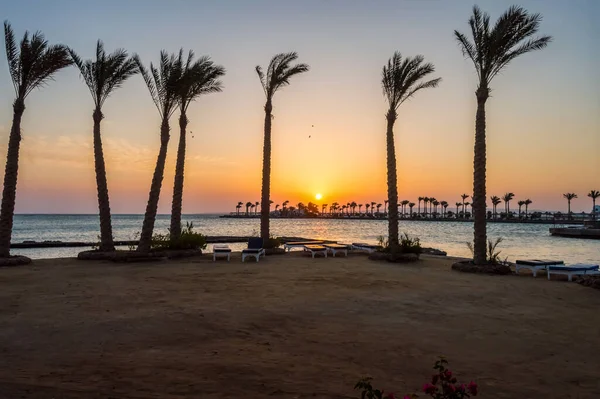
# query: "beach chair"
x,y
361,246
255,249
535,264
577,269
335,248
221,251
315,249
299,244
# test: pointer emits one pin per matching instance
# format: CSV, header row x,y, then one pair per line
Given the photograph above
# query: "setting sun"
x,y
318,196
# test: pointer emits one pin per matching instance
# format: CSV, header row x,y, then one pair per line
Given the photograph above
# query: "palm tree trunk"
x,y
157,178
106,236
178,185
266,175
392,184
9,193
479,191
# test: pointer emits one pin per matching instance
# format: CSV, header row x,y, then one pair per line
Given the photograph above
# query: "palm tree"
x,y
277,207
353,206
401,80
385,204
458,204
569,197
444,206
373,207
411,205
594,194
256,207
527,202
198,77
360,208
425,202
419,207
379,207
436,203
464,211
464,197
278,75
507,198
253,208
163,84
404,203
31,65
323,208
333,207
432,202
238,207
492,49
284,206
367,206
495,201
520,203
102,77
248,205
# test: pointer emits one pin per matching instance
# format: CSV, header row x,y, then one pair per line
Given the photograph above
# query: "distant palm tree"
x,y
520,203
253,208
367,206
248,205
464,211
431,204
284,206
277,76
404,204
163,84
527,203
507,198
444,206
411,205
401,80
594,194
198,78
31,65
238,207
569,197
277,207
419,207
373,207
323,208
464,197
360,208
495,202
379,207
256,207
333,207
425,202
102,77
436,203
459,204
491,50
353,206
385,204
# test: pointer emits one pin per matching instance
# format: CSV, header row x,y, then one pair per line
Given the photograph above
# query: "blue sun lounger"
x,y
577,269
255,249
535,264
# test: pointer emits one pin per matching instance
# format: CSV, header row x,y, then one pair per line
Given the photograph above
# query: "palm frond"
x,y
49,61
149,79
261,76
279,72
12,56
201,77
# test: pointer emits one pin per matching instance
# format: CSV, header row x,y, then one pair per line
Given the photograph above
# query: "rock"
x,y
134,256
16,260
469,267
590,281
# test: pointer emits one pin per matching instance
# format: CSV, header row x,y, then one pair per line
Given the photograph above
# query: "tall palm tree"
x,y
323,208
163,84
379,207
277,207
444,205
527,202
492,49
278,75
520,203
238,207
256,207
198,77
425,202
464,211
102,76
419,207
401,79
507,198
594,194
373,207
458,205
360,208
432,202
31,65
495,201
436,203
464,197
367,206
411,205
248,205
404,204
569,197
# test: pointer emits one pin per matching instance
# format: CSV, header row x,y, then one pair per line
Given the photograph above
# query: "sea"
x,y
520,241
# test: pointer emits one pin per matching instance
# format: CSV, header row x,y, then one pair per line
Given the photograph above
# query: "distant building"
x,y
596,210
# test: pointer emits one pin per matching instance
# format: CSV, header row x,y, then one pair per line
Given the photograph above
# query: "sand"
x,y
289,327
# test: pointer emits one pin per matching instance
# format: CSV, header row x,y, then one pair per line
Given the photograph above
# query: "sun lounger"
x,y
315,249
299,244
221,251
335,248
577,269
535,264
361,246
255,249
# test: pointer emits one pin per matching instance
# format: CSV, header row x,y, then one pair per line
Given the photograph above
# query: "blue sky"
x,y
543,123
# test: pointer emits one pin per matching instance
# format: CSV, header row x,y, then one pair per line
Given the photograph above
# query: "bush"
x,y
272,242
188,240
443,385
408,245
493,256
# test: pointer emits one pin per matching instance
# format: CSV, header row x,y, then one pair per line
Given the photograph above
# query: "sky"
x,y
543,119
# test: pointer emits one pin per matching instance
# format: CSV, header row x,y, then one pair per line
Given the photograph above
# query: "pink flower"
x,y
448,374
429,389
472,387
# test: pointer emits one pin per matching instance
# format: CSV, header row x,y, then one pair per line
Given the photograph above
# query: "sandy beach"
x,y
289,327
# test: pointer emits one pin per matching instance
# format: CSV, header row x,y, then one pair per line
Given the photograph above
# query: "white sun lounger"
x,y
315,249
299,244
536,264
335,248
221,251
361,246
577,269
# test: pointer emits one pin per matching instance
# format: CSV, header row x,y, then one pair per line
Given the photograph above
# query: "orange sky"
x,y
543,119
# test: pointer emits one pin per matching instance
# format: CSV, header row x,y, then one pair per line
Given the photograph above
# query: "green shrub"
x,y
493,256
188,240
410,245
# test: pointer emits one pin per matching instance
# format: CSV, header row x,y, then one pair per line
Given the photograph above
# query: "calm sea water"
x,y
520,240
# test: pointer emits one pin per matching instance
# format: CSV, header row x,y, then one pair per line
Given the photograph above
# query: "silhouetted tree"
x,y
527,202
569,197
507,198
